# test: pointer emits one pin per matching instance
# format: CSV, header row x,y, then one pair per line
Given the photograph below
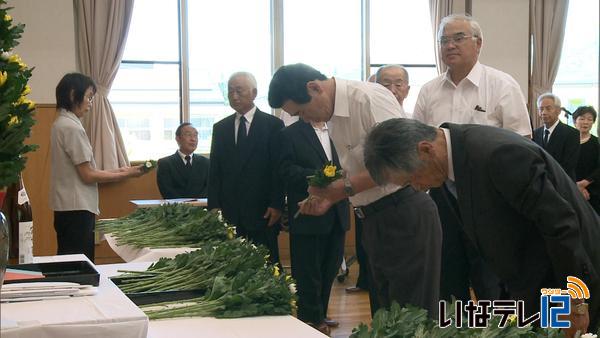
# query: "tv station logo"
x,y
553,303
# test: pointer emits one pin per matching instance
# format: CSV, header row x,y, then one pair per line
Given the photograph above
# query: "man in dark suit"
x,y
558,139
243,162
519,210
183,174
316,242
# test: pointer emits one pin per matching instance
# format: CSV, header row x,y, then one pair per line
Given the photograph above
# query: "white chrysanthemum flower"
x,y
589,335
5,55
292,288
220,216
148,164
254,246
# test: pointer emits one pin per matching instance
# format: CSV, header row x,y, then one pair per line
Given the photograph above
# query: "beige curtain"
x,y
438,9
101,27
548,19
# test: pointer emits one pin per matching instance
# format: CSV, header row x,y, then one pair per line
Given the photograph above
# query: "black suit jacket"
x,y
243,179
176,181
301,155
523,214
563,146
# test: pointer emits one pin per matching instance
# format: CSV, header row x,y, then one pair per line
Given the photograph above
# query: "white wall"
x,y
505,26
48,43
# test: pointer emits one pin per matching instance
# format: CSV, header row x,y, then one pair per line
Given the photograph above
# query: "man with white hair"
x,y
395,79
468,92
558,139
243,178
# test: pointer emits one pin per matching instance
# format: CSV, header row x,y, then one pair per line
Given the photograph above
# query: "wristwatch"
x,y
348,190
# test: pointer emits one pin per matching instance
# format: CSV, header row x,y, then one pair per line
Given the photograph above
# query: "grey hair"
x,y
475,28
391,146
554,98
247,75
382,68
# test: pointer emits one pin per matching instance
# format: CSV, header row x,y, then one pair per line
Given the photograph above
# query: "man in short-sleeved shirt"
x,y
468,92
402,234
71,147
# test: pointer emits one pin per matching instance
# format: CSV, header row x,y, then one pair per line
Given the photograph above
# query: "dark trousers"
x,y
364,279
75,232
266,237
403,240
315,263
462,266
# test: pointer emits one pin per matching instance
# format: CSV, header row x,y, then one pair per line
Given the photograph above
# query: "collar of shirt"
x,y
182,155
449,150
552,127
70,116
474,75
249,115
341,102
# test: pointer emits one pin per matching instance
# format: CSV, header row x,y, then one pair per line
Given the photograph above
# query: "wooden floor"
x,y
350,309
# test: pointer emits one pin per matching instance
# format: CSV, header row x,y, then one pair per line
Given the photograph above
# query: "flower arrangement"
x,y
16,110
324,176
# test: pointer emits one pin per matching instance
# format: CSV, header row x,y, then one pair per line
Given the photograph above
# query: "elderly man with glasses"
x,y
395,79
468,92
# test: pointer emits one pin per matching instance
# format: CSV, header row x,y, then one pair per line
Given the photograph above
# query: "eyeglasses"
x,y
90,99
395,84
456,39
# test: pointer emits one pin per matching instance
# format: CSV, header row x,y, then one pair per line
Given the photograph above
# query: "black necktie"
x,y
188,164
546,135
241,135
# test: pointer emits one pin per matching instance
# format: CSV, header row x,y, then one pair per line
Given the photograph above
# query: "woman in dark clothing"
x,y
588,166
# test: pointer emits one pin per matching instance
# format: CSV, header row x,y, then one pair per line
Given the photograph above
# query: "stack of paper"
x,y
25,292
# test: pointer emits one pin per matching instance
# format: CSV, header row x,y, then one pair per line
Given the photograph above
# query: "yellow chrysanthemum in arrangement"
x,y
3,78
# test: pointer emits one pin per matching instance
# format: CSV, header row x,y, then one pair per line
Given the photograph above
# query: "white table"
x,y
132,254
109,313
204,327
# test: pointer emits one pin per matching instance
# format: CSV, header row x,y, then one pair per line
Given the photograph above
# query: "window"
x,y
164,80
401,34
576,83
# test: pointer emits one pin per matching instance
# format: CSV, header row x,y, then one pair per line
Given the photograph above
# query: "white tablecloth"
x,y
198,327
109,313
200,202
132,254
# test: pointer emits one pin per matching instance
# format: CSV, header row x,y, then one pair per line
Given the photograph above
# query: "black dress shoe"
x,y
354,289
331,323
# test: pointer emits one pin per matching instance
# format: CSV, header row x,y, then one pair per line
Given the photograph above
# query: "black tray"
x,y
145,298
81,272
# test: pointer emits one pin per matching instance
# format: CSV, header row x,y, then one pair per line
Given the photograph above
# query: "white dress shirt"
x,y
358,107
486,96
323,136
249,116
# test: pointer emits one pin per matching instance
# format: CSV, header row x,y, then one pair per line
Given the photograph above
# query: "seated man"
x,y
183,174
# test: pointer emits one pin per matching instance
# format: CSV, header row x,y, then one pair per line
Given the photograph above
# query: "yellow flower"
x,y
3,77
230,233
275,271
26,90
7,17
15,58
30,104
13,121
329,170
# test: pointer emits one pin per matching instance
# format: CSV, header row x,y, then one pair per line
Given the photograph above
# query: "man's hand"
x,y
333,192
273,215
579,322
582,185
315,205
